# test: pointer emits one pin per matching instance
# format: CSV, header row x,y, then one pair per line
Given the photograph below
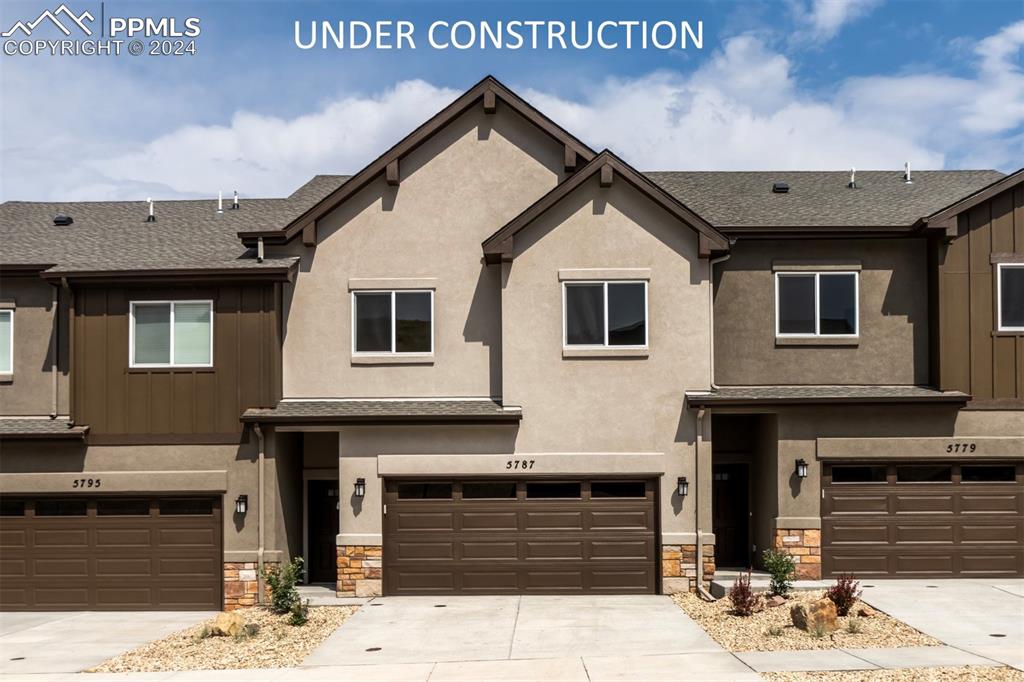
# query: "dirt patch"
x,y
963,674
771,629
275,645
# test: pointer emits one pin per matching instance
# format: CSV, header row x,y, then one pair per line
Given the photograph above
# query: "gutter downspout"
x,y
711,306
55,347
260,445
696,504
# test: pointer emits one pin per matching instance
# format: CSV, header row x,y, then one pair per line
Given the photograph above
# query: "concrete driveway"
x,y
59,642
529,638
984,617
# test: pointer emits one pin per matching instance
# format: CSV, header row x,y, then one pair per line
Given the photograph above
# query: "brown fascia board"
x,y
712,401
73,433
803,231
471,97
945,219
393,420
23,269
266,274
499,245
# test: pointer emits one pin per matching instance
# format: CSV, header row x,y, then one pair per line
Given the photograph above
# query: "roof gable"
x,y
499,246
489,91
945,219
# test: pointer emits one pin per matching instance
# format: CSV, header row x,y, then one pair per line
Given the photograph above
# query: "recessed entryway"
x,y
322,529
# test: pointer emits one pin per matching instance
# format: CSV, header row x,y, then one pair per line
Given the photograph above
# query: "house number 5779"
x,y
519,464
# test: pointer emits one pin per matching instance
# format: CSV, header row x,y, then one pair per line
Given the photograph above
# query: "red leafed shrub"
x,y
744,600
844,594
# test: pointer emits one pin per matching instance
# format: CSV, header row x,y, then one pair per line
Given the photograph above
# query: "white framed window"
x,y
811,304
393,322
1010,297
604,314
171,334
6,342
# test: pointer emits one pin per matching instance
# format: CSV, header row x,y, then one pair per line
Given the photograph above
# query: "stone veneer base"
x,y
359,571
241,584
679,568
804,545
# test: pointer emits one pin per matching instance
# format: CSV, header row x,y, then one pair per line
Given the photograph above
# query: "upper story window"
x,y
393,322
171,334
603,314
6,341
816,304
1010,294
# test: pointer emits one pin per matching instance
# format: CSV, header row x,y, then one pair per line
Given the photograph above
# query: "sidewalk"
x,y
861,659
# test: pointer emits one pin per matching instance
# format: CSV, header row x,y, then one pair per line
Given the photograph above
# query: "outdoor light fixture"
x,y
801,468
242,504
682,486
360,487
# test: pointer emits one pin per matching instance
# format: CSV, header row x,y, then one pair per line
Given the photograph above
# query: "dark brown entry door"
x,y
923,520
511,537
730,514
110,553
323,531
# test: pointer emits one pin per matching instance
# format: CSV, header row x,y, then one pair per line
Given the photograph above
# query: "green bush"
x,y
300,613
282,581
781,567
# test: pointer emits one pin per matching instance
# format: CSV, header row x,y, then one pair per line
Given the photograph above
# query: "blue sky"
x,y
787,84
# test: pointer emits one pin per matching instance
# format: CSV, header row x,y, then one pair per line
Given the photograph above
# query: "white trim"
x,y
394,327
163,365
10,346
566,346
999,297
817,304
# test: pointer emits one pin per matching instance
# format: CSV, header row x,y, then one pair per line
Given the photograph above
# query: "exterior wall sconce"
x,y
242,504
801,468
682,486
360,487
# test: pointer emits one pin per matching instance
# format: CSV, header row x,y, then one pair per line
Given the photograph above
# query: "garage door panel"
x,y
547,538
104,561
13,537
935,529
424,520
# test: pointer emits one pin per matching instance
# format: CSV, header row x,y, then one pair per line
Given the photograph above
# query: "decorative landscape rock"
x,y
227,624
820,614
866,612
775,601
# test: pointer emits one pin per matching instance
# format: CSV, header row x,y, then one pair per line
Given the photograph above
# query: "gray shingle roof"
x,y
819,198
747,395
39,428
386,410
114,235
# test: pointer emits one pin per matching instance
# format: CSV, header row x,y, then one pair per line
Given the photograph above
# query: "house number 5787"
x,y
519,464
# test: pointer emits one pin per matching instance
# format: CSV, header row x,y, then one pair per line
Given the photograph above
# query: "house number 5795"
x,y
519,464
85,483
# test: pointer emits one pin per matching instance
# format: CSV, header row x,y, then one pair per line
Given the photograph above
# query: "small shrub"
x,y
282,581
248,631
775,631
854,626
204,633
299,614
818,630
844,594
744,600
781,567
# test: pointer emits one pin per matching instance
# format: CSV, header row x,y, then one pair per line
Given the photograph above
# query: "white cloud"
x,y
742,109
824,18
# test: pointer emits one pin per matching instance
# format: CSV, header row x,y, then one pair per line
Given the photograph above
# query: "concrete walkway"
x,y
860,659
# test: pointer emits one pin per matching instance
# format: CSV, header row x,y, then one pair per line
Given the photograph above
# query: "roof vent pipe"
x,y
220,201
853,179
150,218
259,250
906,173
234,203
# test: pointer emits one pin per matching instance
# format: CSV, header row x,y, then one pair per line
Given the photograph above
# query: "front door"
x,y
731,515
323,531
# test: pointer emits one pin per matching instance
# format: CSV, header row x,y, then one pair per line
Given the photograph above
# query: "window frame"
x,y
566,346
999,296
10,346
817,274
394,326
171,364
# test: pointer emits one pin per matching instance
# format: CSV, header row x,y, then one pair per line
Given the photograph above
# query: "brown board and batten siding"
x,y
974,357
168,405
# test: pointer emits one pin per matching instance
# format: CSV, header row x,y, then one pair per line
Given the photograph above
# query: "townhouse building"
x,y
497,361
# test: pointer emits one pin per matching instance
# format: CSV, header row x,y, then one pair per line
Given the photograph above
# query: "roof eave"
x,y
717,401
390,420
940,219
72,433
283,273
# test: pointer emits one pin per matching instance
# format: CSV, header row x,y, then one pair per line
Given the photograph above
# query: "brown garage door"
x,y
110,553
934,520
509,537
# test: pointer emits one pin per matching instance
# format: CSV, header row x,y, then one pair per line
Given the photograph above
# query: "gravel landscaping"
x,y
276,644
962,674
755,632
